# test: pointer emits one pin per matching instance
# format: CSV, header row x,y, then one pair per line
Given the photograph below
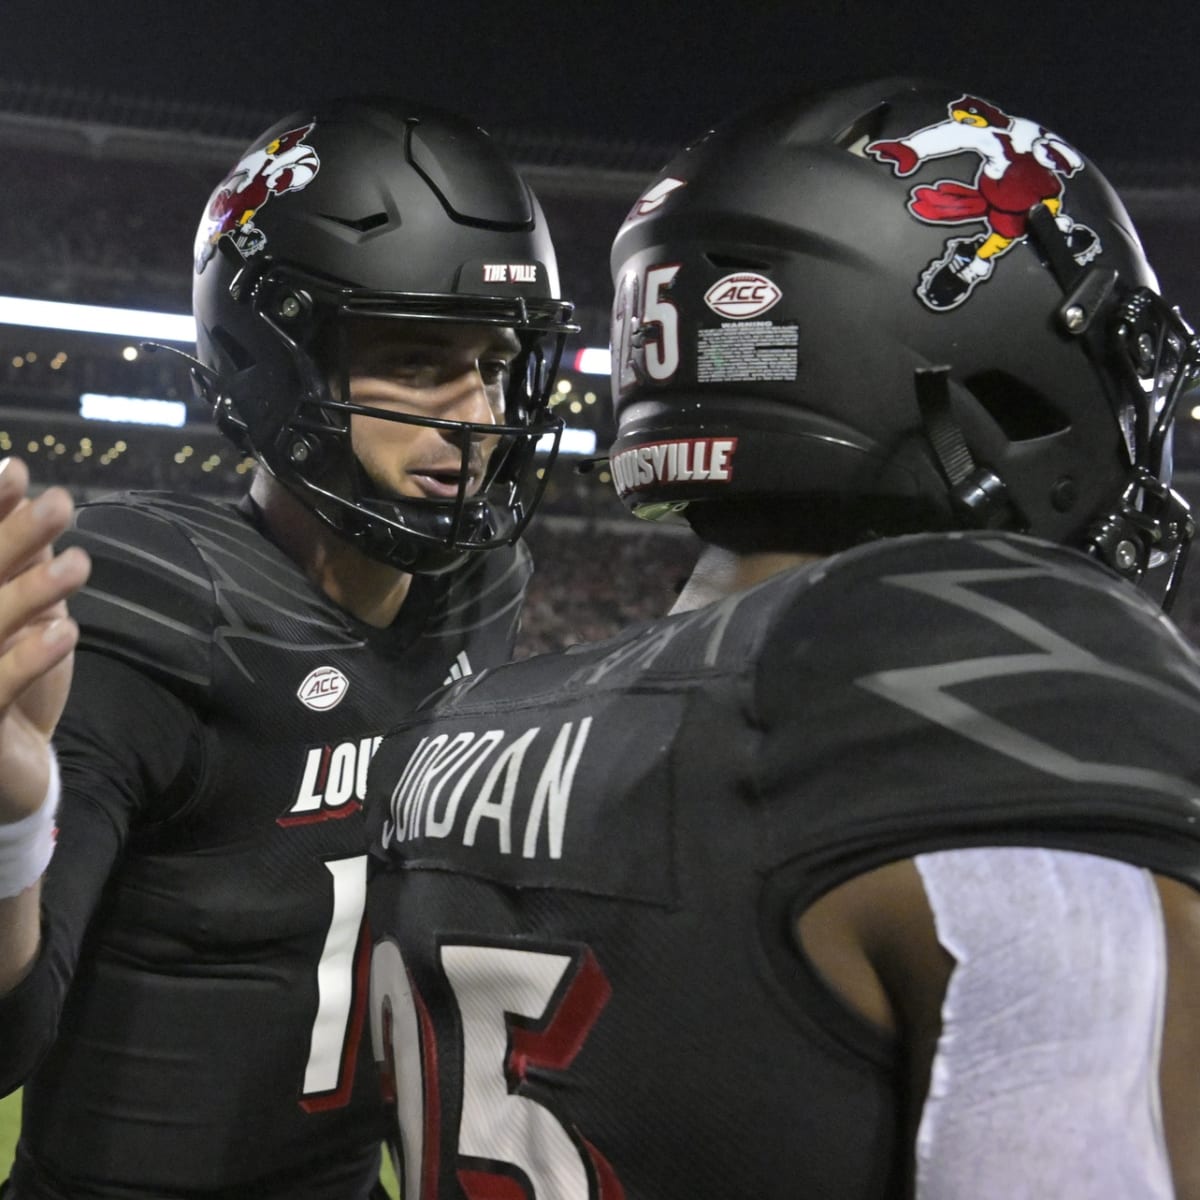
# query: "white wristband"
x,y
27,845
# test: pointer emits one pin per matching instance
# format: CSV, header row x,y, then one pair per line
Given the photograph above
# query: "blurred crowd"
x,y
594,578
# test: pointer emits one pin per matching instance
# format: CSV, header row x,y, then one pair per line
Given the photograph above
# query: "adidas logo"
x,y
460,668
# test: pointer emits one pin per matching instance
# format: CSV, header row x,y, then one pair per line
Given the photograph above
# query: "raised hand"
x,y
37,637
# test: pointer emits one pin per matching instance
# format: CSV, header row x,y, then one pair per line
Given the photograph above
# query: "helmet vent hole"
x,y
237,354
360,224
737,262
866,128
1022,412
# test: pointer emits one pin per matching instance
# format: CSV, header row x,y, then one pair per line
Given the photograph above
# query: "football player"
x,y
378,321
870,870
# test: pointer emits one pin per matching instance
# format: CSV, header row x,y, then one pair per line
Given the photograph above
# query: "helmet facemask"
x,y
1150,357
308,444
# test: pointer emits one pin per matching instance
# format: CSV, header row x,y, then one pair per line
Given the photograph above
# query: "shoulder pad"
x,y
977,681
173,576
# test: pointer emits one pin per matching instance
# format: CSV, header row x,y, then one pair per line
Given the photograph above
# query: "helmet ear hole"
x,y
237,354
1021,412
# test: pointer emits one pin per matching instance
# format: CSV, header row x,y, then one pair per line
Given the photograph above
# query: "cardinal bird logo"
x,y
1022,164
285,164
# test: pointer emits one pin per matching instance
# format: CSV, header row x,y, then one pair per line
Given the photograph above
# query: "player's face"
x,y
452,372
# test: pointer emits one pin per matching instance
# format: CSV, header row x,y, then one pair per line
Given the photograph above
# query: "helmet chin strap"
x,y
978,495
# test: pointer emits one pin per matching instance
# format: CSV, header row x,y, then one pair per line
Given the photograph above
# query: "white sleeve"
x,y
1045,1079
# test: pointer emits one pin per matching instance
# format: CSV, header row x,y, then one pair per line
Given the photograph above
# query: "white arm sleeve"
x,y
1045,1079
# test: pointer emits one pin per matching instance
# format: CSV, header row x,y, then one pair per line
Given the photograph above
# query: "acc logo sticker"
x,y
323,689
742,296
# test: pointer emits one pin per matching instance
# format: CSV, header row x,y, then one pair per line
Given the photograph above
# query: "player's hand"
x,y
37,638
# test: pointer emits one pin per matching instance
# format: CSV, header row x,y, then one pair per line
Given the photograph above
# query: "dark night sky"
x,y
1116,78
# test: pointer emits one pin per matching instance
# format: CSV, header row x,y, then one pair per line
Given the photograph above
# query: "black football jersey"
x,y
609,848
198,1006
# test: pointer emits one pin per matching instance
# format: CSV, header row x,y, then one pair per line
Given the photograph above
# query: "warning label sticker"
x,y
747,352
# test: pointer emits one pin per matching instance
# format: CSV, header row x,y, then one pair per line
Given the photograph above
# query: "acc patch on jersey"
x,y
323,689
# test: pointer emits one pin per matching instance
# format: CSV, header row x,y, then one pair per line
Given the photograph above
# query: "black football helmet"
x,y
895,307
375,208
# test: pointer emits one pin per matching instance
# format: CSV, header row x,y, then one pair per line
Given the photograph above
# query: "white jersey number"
x,y
337,1028
662,353
556,998
645,328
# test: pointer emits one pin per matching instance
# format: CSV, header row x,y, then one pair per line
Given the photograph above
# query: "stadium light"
x,y
573,441
132,410
593,360
96,318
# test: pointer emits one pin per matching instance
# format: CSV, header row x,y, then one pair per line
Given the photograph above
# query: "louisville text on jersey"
x,y
487,786
708,459
333,783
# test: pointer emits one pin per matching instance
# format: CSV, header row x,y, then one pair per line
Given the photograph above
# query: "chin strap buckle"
x,y
977,494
